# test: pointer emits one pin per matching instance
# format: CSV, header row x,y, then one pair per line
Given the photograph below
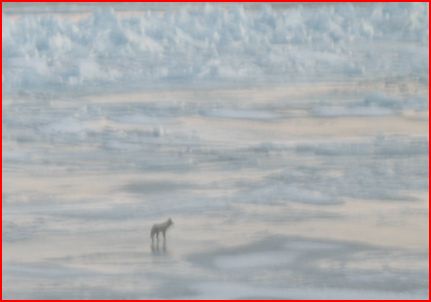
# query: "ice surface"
x,y
288,142
113,49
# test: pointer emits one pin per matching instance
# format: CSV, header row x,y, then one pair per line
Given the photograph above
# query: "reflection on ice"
x,y
159,249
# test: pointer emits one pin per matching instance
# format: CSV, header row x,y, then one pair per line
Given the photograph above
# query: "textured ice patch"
x,y
335,111
383,168
242,114
139,119
68,125
376,104
108,49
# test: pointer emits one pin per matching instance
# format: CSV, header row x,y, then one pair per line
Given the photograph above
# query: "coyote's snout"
x,y
161,227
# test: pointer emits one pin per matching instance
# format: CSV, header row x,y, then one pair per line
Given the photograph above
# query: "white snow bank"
x,y
212,44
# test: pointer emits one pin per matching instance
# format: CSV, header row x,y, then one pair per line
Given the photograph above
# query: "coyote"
x,y
160,227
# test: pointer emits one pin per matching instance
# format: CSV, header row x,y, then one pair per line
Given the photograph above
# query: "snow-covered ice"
x,y
287,141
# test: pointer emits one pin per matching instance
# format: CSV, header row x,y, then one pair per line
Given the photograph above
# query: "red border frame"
x,y
228,1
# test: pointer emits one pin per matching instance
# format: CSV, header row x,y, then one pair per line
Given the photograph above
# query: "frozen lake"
x,y
309,189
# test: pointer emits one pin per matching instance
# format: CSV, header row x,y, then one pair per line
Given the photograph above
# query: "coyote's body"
x,y
160,228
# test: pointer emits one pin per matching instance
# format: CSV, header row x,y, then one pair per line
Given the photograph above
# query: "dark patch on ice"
x,y
295,261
